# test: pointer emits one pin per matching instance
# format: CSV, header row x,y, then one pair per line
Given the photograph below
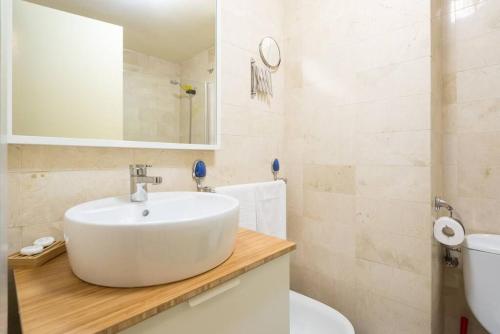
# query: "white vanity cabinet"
x,y
253,303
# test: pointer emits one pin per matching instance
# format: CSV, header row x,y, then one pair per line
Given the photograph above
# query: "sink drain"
x,y
145,213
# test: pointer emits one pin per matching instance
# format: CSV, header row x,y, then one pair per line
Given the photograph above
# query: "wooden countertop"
x,y
53,300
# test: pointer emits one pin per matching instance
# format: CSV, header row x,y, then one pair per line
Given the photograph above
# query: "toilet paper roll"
x,y
448,231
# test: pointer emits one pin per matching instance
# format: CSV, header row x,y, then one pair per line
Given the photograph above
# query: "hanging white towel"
x,y
245,194
262,206
270,203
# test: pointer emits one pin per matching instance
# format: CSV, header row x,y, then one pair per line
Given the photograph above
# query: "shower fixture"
x,y
191,92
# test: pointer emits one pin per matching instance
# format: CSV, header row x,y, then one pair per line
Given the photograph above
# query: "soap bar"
x,y
44,242
31,250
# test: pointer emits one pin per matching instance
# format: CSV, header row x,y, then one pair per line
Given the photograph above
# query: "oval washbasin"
x,y
171,236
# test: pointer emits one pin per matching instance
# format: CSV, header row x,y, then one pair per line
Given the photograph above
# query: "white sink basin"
x,y
170,237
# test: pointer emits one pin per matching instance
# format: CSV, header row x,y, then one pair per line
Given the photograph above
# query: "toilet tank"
x,y
481,266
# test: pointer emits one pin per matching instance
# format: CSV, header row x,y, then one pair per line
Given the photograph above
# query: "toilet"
x,y
481,267
308,316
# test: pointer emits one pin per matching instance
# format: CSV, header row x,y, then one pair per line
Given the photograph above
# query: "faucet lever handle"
x,y
139,169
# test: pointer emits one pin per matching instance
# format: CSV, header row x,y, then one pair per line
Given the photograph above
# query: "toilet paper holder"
x,y
440,203
448,259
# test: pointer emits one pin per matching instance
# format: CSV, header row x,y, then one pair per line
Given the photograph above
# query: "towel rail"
x,y
199,172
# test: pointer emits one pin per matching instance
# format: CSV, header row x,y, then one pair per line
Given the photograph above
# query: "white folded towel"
x,y
270,203
245,194
262,206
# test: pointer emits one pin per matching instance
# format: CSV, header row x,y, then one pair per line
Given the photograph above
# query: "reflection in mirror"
x,y
115,69
270,52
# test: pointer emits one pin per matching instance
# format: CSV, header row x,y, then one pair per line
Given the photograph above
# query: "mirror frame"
x,y
6,21
263,57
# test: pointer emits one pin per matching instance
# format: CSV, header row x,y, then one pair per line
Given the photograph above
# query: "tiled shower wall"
x,y
359,128
471,44
196,72
44,181
155,106
151,104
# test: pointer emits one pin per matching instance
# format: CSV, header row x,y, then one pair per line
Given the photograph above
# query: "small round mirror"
x,y
270,53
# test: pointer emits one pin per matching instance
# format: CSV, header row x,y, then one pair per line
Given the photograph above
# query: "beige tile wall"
x,y
151,104
472,131
360,123
44,181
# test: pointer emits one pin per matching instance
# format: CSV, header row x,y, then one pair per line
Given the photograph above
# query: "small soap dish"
x,y
17,260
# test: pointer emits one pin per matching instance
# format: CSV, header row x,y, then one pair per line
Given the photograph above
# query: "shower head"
x,y
190,90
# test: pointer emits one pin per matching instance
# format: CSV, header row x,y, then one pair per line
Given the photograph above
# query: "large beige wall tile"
x,y
405,253
408,113
474,116
388,81
481,214
394,148
330,178
478,84
329,207
381,315
468,57
410,219
395,46
335,238
400,285
479,181
49,158
393,182
481,149
476,20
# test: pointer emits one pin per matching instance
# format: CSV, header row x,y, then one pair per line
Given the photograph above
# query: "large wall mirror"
x,y
123,73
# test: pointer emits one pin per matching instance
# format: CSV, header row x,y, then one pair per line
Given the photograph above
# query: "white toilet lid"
x,y
309,316
489,243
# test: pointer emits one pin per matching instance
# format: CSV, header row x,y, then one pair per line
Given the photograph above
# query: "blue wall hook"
x,y
275,168
200,169
276,165
199,173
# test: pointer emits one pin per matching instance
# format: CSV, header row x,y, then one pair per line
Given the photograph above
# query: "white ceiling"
x,y
174,30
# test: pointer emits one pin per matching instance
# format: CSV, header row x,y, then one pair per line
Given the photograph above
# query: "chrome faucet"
x,y
139,180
